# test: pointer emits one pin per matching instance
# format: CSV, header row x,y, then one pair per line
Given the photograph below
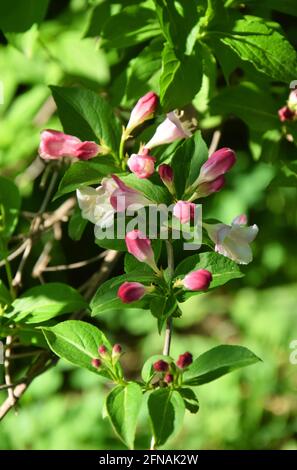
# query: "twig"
x,y
77,265
214,142
7,377
43,362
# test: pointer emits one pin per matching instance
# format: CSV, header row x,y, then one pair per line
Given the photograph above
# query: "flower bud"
x,y
131,291
103,351
286,114
168,131
197,280
117,349
168,378
143,110
140,247
184,211
210,187
160,366
217,164
96,363
55,145
184,360
166,174
292,101
143,166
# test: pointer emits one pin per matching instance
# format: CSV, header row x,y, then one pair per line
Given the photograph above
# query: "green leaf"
x,y
181,78
77,342
190,400
106,297
22,14
133,25
163,307
10,203
216,362
149,188
144,71
76,225
147,369
248,102
257,42
42,303
132,264
187,160
98,16
86,115
123,406
85,173
166,410
221,268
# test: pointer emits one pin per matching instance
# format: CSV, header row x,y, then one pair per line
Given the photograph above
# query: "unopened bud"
x,y
168,378
160,366
184,360
96,363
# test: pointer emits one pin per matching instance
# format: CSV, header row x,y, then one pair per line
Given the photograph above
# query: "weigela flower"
x,y
184,211
140,247
160,366
142,165
233,240
56,144
184,360
168,131
197,280
131,291
142,111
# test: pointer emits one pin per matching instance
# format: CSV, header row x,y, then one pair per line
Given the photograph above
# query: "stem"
x,y
169,323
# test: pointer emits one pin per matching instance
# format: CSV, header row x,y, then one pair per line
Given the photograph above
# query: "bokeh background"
x,y
255,408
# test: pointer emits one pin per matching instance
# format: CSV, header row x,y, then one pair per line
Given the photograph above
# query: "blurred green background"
x,y
251,409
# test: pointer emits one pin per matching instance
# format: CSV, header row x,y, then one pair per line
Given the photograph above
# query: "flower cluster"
x,y
107,361
289,111
170,372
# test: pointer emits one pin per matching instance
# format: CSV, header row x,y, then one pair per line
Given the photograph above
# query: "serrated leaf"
x,y
87,115
132,25
190,400
41,303
81,174
77,342
166,410
123,406
217,362
266,48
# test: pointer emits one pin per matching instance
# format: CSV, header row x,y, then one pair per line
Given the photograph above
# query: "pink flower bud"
x,y
168,378
103,350
124,196
140,247
184,211
286,114
198,280
143,110
131,291
184,360
117,349
96,363
160,366
218,164
210,187
143,166
292,101
55,145
168,131
166,173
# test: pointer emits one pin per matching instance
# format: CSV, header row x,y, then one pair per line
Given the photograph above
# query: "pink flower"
x,y
124,196
198,280
140,247
131,291
184,360
210,187
292,101
143,110
285,114
55,145
168,131
96,363
166,174
184,211
218,164
143,166
233,240
117,349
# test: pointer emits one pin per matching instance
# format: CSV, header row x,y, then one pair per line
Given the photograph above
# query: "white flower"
x,y
233,240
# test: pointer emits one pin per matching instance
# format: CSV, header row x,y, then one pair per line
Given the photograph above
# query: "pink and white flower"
x,y
131,292
233,240
184,211
168,131
197,280
143,166
142,111
56,144
140,247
